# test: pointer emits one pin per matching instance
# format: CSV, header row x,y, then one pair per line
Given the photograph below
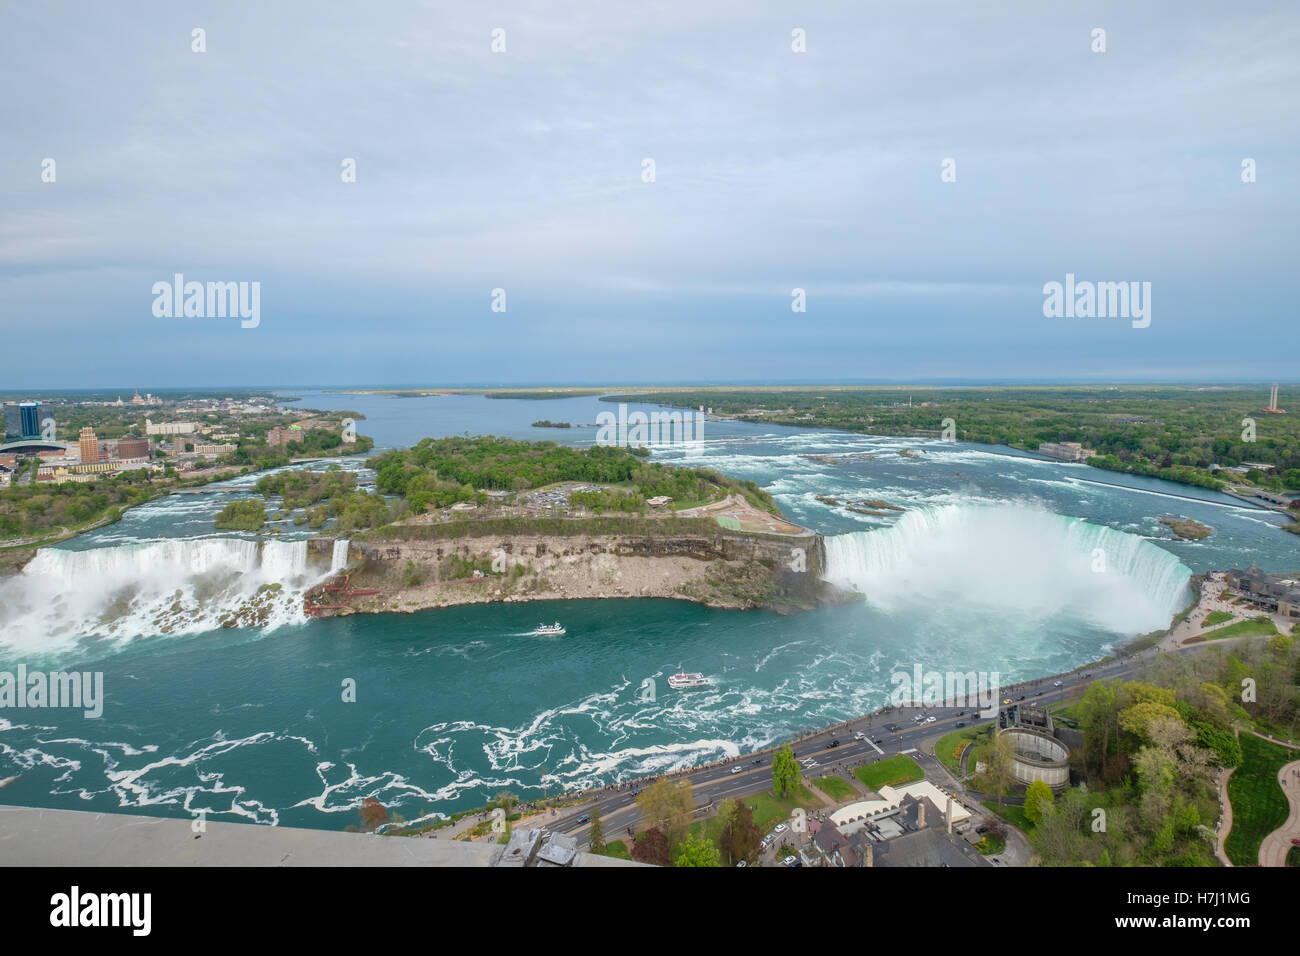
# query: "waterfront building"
x,y
1066,450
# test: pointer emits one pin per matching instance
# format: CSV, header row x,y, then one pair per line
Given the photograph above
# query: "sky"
x,y
523,169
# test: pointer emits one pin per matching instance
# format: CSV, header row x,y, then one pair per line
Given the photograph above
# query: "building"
x,y
13,428
29,414
1273,592
280,437
213,450
1066,450
132,446
89,446
169,428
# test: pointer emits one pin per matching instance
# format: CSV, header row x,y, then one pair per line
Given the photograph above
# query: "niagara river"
x,y
997,561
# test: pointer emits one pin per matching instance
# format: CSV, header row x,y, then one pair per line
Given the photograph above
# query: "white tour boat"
x,y
683,680
549,630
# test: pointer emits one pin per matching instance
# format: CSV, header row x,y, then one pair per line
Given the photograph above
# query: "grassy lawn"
x,y
989,846
618,849
890,772
1217,617
948,750
1258,805
1013,815
1252,628
768,810
835,788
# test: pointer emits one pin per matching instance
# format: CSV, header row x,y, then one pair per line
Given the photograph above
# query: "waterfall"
x,y
339,560
167,586
1016,559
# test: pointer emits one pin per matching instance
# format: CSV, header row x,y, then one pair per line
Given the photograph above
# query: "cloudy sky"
x,y
522,170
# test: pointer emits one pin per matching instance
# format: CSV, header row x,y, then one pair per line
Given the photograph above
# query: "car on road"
x,y
757,760
735,769
961,723
893,728
1007,700
877,740
1038,693
859,736
1021,697
585,818
1059,683
833,743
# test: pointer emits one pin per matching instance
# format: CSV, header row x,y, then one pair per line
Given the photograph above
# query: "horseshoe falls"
x,y
1020,561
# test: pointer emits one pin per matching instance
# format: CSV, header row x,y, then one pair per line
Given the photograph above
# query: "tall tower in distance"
x,y
89,446
1272,403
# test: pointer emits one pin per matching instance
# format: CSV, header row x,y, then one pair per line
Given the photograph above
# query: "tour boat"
x,y
683,680
549,630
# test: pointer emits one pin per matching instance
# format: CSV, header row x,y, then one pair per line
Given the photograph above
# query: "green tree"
x,y
1001,771
669,807
1037,799
739,837
596,840
696,851
785,772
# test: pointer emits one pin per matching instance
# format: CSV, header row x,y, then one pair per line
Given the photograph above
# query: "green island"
x,y
545,423
473,519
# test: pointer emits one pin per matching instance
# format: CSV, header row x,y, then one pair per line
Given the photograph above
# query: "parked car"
x,y
792,861
742,863
779,828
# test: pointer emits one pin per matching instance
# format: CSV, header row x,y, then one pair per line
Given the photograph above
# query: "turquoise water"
x,y
991,567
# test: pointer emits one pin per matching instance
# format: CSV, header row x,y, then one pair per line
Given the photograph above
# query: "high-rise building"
x,y
89,446
132,446
29,414
13,427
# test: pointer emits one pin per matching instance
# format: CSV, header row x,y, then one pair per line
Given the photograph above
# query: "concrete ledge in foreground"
x,y
30,836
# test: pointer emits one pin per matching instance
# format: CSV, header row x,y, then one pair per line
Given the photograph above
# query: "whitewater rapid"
x,y
1019,560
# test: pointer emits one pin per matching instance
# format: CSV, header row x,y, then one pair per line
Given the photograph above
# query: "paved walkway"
x,y
1273,851
1225,820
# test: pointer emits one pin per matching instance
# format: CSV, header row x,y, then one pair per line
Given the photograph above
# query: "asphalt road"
x,y
619,811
